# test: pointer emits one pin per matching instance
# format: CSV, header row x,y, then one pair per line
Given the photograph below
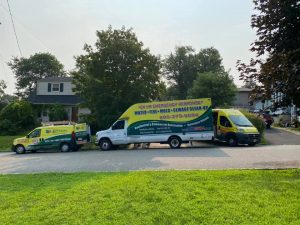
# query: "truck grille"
x,y
254,136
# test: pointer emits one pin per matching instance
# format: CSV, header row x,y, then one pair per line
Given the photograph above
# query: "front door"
x,y
34,140
224,127
119,133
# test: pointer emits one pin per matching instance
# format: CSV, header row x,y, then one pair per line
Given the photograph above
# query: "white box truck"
x,y
172,122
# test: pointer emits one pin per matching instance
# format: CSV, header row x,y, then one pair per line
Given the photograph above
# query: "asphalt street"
x,y
205,157
281,137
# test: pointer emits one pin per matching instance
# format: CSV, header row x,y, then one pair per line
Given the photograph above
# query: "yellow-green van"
x,y
64,137
232,126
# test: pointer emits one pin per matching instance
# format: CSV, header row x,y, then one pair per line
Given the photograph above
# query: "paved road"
x,y
284,156
281,137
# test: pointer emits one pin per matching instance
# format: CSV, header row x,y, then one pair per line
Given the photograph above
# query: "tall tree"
x,y
115,74
29,70
2,88
218,86
181,68
276,68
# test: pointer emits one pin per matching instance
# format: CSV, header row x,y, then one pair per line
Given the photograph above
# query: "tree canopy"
x,y
28,70
181,68
218,86
2,88
276,68
115,74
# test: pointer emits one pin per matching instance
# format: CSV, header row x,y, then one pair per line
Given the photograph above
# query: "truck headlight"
x,y
241,130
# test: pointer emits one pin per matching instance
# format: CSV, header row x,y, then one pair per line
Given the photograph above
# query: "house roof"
x,y
56,79
54,99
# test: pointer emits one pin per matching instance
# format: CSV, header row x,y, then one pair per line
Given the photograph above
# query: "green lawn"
x,y
167,197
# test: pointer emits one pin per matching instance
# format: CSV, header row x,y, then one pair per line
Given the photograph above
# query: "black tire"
x,y
232,142
20,149
174,142
65,147
105,144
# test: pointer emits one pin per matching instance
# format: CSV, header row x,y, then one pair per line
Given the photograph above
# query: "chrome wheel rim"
x,y
174,142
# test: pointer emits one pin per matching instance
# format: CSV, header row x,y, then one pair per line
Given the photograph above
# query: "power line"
x,y
12,21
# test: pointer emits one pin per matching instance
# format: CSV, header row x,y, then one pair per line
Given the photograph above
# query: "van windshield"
x,y
241,121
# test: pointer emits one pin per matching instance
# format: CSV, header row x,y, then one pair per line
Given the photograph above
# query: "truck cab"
x,y
233,127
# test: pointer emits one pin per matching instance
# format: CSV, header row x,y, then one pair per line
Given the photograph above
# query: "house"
x,y
57,91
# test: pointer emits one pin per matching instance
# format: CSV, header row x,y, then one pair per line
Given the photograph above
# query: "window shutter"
x,y
61,88
49,87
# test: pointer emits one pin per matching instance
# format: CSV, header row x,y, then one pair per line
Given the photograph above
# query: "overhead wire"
x,y
13,24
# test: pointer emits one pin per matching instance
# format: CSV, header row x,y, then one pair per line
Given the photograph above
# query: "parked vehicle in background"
x,y
233,127
267,118
280,111
69,137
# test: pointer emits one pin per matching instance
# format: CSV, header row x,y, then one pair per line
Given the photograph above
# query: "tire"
x,y
232,142
174,142
20,149
64,147
105,144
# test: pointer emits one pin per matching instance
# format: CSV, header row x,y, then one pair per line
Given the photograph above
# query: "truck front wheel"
x,y
20,149
105,144
174,142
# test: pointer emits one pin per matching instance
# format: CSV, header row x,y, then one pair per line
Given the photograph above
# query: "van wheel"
x,y
20,149
174,142
105,144
232,141
64,147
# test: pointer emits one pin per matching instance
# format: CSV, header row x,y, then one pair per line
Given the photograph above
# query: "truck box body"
x,y
158,121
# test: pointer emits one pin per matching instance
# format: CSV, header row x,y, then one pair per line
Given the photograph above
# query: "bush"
x,y
57,113
7,127
255,120
20,113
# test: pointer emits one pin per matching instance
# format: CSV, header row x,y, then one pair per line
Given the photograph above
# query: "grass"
x,y
166,197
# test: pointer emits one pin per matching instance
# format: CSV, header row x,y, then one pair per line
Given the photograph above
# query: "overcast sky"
x,y
61,27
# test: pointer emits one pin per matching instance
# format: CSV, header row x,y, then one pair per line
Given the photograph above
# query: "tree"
x,y
29,70
217,86
57,113
115,74
276,68
2,88
182,67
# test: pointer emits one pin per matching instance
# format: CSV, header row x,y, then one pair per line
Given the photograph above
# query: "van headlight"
x,y
241,130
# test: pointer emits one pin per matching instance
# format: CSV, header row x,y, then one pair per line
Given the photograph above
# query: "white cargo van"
x,y
171,122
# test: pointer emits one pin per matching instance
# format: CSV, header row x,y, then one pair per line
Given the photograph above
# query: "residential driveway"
x,y
281,137
280,156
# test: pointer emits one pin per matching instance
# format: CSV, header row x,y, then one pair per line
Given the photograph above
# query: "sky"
x,y
62,27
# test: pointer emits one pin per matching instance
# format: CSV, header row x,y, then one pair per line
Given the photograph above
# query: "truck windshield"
x,y
241,121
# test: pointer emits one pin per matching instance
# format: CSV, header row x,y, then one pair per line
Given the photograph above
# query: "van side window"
x,y
119,125
224,121
35,133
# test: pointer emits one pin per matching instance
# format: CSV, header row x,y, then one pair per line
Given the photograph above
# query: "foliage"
x,y
115,74
276,68
181,68
255,120
57,113
29,70
158,197
2,88
7,127
217,86
20,113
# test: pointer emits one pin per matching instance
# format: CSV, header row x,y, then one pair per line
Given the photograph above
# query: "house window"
x,y
55,87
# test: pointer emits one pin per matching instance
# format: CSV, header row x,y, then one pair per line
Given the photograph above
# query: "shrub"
x,y
57,113
255,120
7,127
20,113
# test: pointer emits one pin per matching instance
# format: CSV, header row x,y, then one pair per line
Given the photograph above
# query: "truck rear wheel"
x,y
174,142
20,149
64,147
105,144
